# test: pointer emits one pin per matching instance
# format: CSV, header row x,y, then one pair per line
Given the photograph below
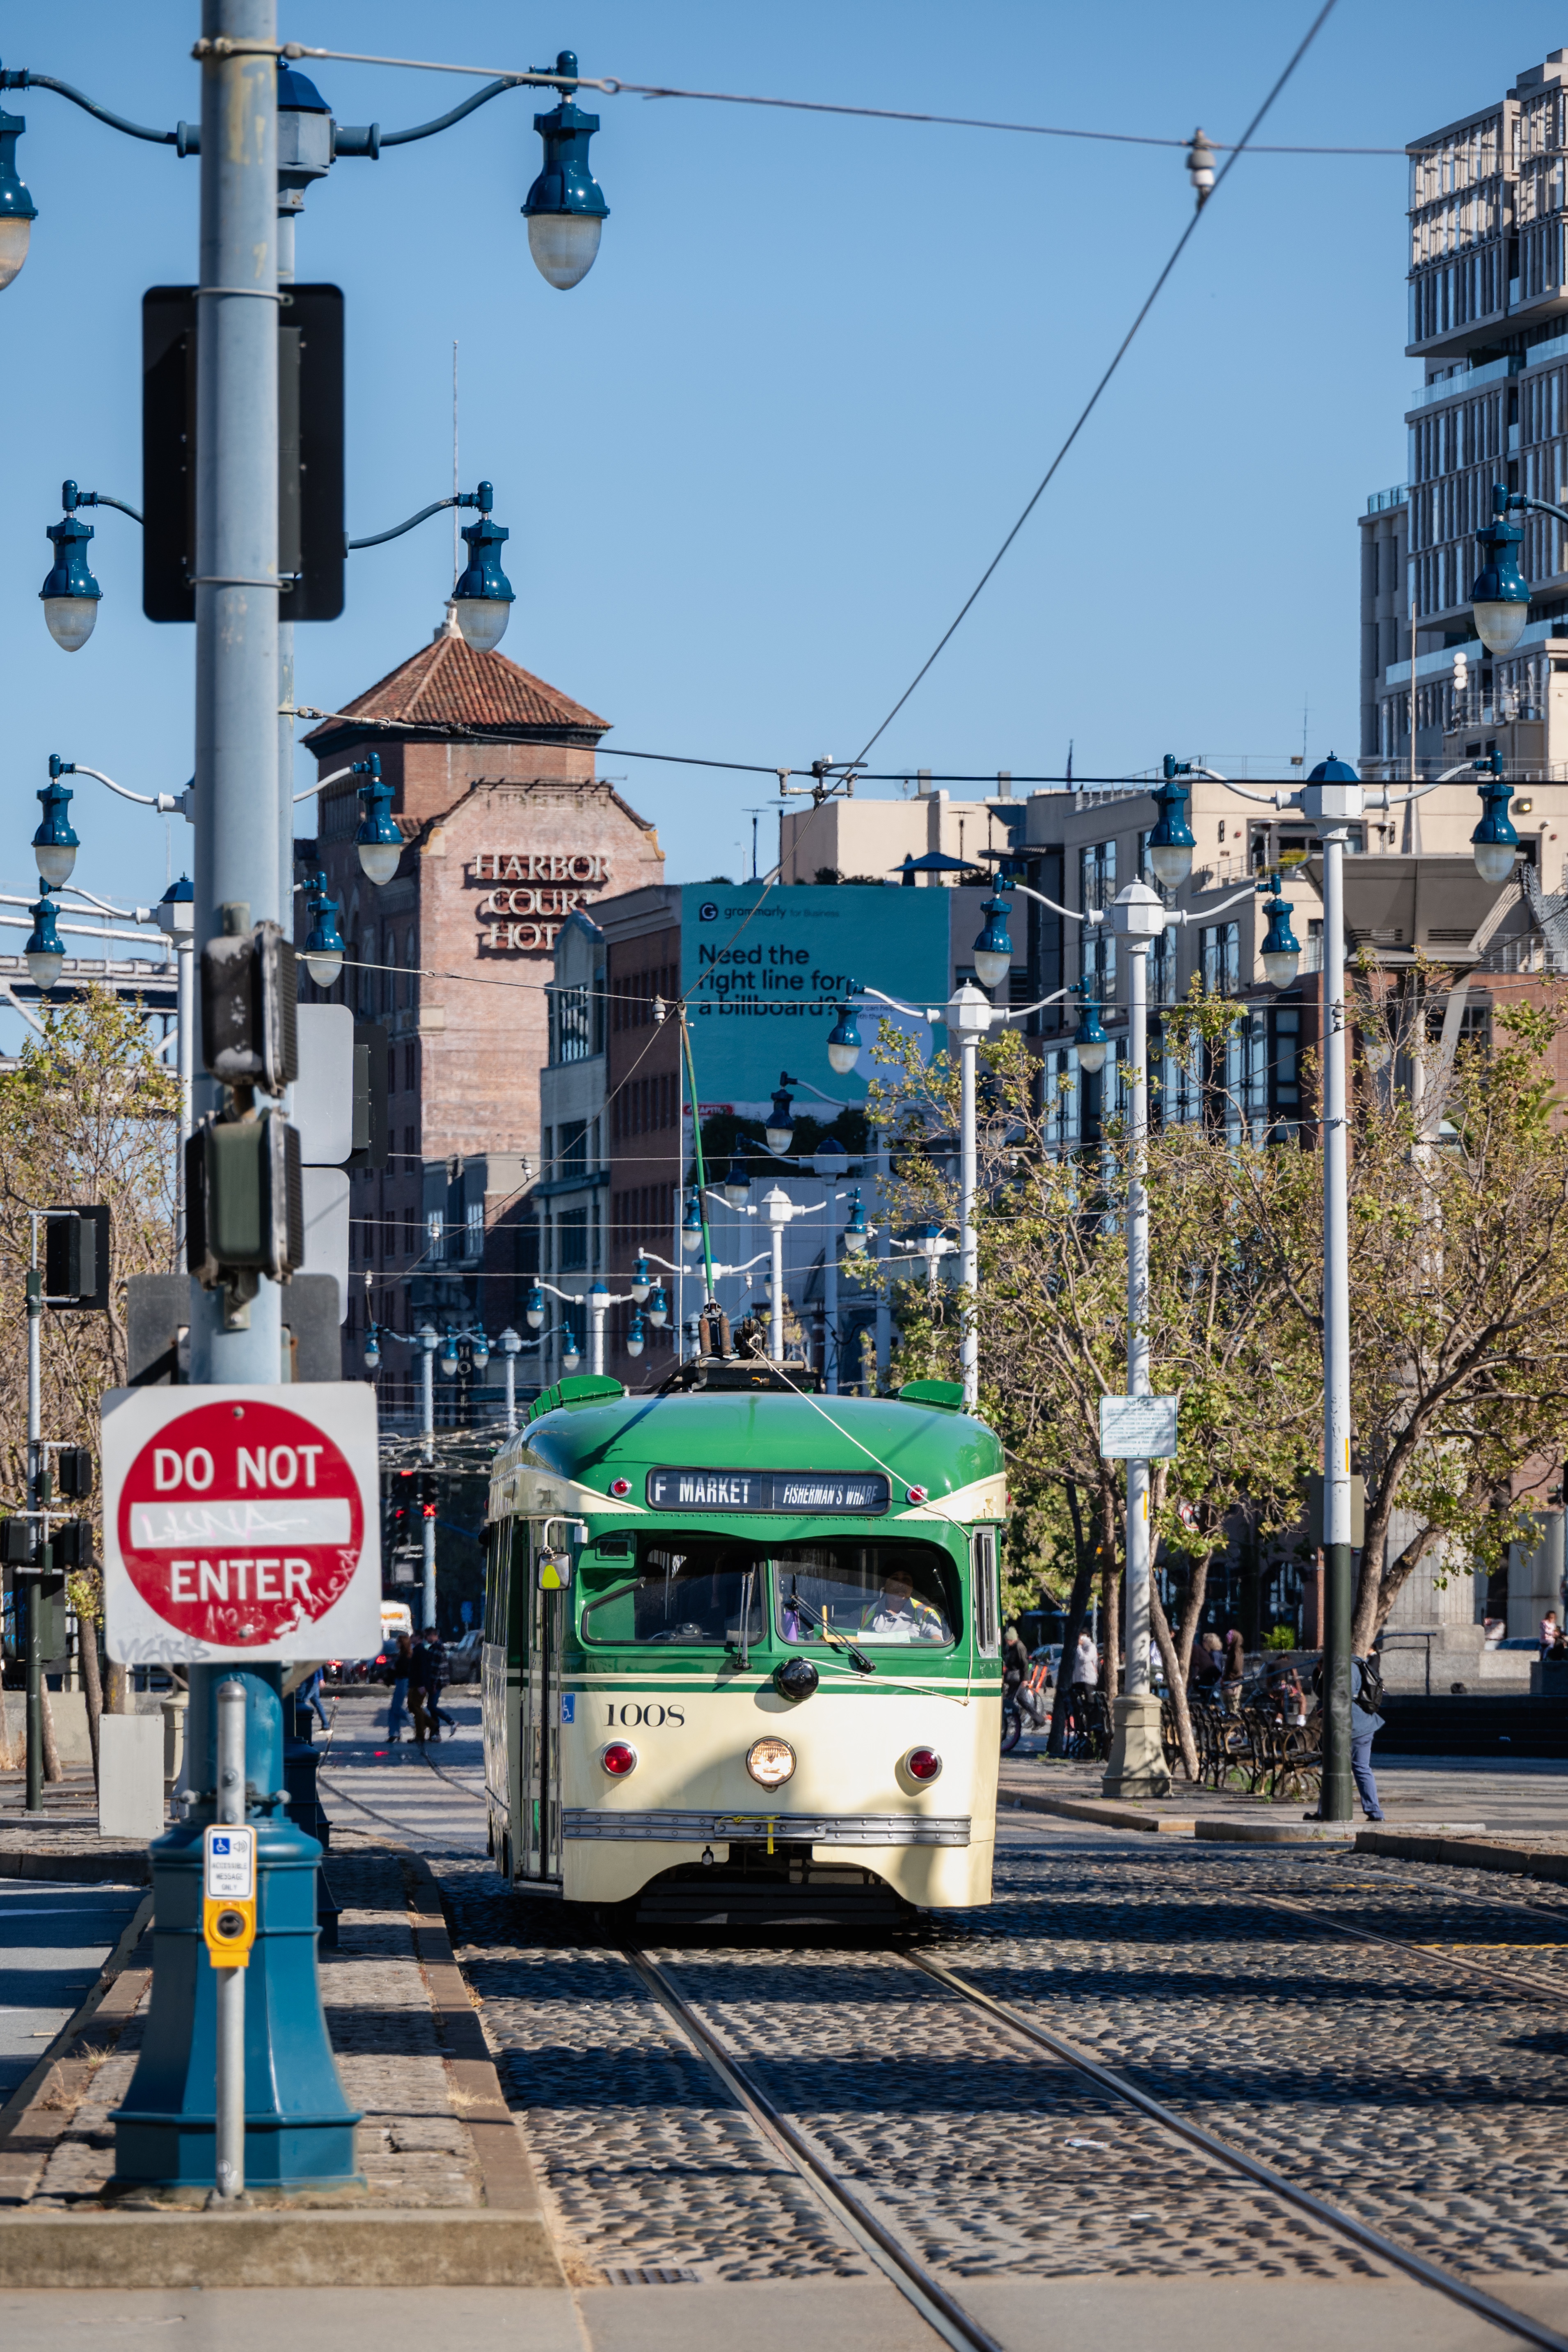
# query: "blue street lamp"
x,y
565,210
642,1281
482,598
571,1354
449,1359
534,1307
378,841
55,843
323,942
1499,598
1494,840
735,1184
1170,843
70,594
691,1225
18,210
1090,1039
479,1352
658,1307
44,953
994,948
843,1042
855,1231
1281,950
635,1339
373,1348
779,1131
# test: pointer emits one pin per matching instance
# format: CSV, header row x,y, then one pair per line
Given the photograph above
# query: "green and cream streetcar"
x,y
741,1649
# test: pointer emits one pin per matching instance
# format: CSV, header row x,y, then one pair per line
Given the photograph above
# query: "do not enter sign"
x,y
241,1523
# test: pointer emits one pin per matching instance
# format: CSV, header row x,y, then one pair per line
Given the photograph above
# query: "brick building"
x,y
508,830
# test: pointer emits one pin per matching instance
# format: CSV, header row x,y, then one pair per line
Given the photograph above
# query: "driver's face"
x,y
898,1587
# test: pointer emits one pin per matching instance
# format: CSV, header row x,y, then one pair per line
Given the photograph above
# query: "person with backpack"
x,y
1366,1696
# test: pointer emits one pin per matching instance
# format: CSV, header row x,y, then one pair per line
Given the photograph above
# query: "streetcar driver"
x,y
894,1615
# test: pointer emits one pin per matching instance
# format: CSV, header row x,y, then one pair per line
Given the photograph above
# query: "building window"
x,y
573,1241
474,1228
572,1025
434,1233
1163,966
574,1159
1220,958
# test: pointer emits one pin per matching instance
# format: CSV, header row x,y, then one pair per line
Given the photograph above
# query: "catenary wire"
x,y
1093,401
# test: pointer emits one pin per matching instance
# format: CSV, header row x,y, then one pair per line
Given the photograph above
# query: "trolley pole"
x,y
229,2106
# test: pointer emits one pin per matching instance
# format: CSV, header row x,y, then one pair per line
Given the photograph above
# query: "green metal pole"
x,y
701,1170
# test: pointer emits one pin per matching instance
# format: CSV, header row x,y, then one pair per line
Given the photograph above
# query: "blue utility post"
x,y
299,2128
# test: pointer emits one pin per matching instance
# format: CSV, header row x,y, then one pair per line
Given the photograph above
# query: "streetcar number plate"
x,y
835,1492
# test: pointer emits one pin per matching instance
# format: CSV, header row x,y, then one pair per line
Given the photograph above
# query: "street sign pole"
x,y
229,2099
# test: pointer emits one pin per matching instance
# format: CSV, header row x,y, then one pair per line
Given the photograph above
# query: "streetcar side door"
x,y
541,1617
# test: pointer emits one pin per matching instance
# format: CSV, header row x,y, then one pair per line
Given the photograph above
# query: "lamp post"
x,y
429,1342
511,1346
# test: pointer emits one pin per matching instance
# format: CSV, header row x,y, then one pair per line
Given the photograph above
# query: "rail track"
x,y
792,2138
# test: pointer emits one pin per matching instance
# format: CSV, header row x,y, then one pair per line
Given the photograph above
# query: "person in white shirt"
x,y
1085,1665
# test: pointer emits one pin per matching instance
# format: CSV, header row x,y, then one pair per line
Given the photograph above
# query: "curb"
x,y
1226,1833
1465,1854
1107,1811
211,2250
117,1865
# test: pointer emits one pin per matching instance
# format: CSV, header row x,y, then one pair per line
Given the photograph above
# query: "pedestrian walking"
x,y
1366,1690
435,1682
1233,1673
307,1699
419,1688
397,1713
1551,1631
1086,1665
1205,1669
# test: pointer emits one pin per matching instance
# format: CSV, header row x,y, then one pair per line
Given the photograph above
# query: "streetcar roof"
x,y
596,1441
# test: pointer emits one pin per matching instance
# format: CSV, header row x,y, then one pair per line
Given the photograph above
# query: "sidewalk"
x,y
447,2194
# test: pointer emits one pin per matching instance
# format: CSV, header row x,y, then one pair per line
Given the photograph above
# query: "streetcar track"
x,y
946,2318
1333,2217
1508,1979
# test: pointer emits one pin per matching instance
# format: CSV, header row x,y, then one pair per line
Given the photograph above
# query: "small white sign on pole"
x,y
1138,1428
241,1523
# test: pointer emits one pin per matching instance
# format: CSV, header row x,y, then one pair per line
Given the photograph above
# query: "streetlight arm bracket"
x,y
445,122
102,498
357,769
24,79
1089,915
166,803
380,538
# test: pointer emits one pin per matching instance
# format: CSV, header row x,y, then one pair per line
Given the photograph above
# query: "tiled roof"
x,y
447,684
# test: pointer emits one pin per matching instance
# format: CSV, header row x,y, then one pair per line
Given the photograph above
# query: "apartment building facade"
x,y
1488,323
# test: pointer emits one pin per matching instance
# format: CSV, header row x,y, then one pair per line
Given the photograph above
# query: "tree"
x,y
1051,1311
87,1114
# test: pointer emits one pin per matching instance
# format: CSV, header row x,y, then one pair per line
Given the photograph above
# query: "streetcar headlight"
x,y
795,1679
619,1759
770,1762
922,1764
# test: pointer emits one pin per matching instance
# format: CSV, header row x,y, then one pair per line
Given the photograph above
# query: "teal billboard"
x,y
762,970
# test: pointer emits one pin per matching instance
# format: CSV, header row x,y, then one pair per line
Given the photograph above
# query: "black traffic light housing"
x,y
75,1258
250,997
371,1137
19,1542
71,1544
244,1203
73,1472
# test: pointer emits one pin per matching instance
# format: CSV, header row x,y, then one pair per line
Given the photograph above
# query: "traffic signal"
x,y
73,1472
71,1544
18,1542
75,1258
427,1493
250,997
245,1202
370,1127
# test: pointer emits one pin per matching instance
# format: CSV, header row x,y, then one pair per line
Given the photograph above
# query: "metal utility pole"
x,y
971,1013
1337,1801
33,1585
427,1513
830,1298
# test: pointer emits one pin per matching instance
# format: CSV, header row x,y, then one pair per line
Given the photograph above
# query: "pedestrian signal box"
x,y
75,1258
228,1893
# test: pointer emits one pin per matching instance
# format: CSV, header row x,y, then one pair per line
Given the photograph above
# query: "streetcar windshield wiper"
x,y
748,1583
835,1639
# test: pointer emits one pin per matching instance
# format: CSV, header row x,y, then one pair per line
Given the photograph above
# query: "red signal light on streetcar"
x,y
620,1485
922,1764
618,1758
917,1495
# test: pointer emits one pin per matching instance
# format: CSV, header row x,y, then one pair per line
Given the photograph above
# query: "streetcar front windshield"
x,y
688,1591
865,1592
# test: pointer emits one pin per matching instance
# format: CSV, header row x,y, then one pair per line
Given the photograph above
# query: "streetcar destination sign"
x,y
839,1493
241,1522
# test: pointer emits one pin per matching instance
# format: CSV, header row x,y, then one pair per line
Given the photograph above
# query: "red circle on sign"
x,y
240,1523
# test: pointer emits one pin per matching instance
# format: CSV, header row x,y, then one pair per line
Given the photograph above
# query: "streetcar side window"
x,y
689,1592
987,1599
867,1592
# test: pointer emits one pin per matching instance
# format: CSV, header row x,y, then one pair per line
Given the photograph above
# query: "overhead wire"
x,y
1093,401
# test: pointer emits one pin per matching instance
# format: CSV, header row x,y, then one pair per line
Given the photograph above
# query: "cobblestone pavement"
x,y
1430,2105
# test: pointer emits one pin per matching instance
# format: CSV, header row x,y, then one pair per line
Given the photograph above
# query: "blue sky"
x,y
753,464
